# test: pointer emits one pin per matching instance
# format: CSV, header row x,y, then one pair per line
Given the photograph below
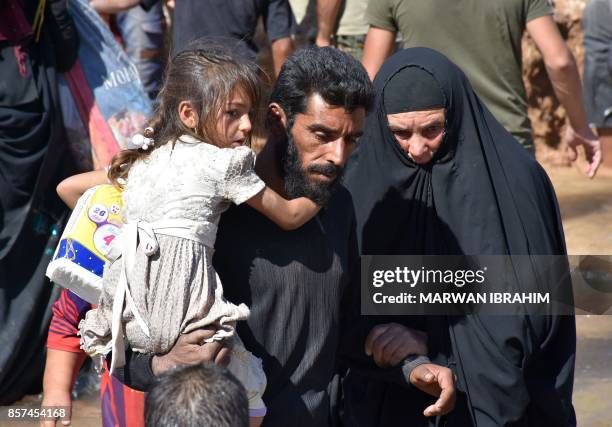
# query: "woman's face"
x,y
419,133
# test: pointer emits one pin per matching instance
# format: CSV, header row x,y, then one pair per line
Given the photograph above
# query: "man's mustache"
x,y
328,169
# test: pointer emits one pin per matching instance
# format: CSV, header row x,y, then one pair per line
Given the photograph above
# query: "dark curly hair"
x,y
336,76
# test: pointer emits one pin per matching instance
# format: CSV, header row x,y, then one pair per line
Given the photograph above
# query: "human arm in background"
x,y
61,369
327,18
563,73
280,26
64,356
379,45
281,49
72,188
112,6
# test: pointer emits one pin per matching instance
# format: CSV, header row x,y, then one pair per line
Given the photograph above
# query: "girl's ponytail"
x,y
123,160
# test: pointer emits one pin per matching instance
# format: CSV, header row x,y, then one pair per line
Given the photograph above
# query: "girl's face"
x,y
234,124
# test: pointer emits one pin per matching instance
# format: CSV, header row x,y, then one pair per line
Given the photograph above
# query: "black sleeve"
x,y
279,20
137,372
147,4
63,34
355,327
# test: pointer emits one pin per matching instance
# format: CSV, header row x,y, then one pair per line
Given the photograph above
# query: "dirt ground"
x,y
586,209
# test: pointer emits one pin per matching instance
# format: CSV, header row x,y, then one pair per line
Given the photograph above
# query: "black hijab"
x,y
482,194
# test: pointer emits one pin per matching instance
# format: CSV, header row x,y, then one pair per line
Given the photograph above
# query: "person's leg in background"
x,y
143,37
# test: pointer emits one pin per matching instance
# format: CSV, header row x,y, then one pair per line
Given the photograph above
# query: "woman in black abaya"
x,y
475,193
33,160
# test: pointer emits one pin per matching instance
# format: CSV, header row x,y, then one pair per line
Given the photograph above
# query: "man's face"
x,y
419,133
319,142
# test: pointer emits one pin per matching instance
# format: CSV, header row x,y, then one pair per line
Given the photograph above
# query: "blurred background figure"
x,y
197,395
597,27
237,19
352,28
484,39
340,23
142,32
37,41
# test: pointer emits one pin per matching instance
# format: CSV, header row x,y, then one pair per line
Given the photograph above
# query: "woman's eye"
x,y
233,114
432,131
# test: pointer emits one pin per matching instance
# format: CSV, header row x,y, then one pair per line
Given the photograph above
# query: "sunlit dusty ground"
x,y
586,208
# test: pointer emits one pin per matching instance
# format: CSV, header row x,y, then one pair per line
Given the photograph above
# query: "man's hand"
x,y
436,381
190,349
391,343
591,145
57,399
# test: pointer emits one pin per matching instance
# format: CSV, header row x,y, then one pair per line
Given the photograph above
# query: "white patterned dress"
x,y
172,284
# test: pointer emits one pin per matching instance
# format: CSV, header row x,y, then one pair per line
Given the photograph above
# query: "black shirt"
x,y
293,282
231,18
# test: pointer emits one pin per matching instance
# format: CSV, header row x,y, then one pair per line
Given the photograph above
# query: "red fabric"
x,y
64,324
121,406
14,26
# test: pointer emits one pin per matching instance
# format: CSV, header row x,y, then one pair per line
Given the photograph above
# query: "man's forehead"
x,y
320,111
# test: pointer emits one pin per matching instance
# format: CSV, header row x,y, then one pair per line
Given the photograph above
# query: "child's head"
x,y
208,93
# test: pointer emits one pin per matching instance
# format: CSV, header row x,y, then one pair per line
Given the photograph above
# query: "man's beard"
x,y
297,181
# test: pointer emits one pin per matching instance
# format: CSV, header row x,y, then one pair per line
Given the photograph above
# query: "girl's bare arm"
x,y
73,187
287,214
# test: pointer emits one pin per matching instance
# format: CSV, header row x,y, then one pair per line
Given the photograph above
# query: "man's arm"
x,y
565,79
141,369
280,26
378,46
281,49
327,18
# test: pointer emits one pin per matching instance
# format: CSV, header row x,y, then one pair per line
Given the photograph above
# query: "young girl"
x,y
188,168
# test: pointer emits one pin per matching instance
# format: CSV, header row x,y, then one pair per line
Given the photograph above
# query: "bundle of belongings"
x,y
87,242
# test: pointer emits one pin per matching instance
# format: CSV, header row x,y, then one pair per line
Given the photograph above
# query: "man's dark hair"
x,y
338,77
197,396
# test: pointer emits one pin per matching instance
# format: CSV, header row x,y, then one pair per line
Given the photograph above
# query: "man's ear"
x,y
276,115
188,114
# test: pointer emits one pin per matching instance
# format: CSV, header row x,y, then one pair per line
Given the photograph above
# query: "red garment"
x,y
121,406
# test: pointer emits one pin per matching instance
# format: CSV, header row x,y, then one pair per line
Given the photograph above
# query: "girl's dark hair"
x,y
205,77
